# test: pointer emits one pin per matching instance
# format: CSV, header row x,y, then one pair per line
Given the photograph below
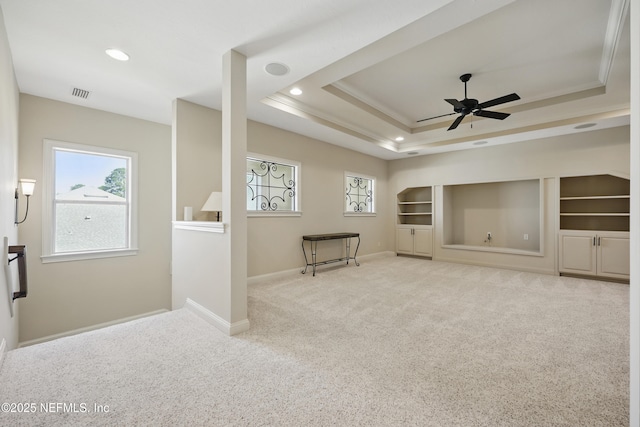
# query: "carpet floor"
x,y
396,341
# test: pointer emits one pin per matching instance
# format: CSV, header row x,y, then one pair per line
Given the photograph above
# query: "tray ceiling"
x,y
368,69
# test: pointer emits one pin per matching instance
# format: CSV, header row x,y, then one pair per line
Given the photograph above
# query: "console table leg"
x,y
314,248
305,259
348,243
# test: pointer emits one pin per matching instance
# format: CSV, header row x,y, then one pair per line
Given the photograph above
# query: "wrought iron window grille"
x,y
269,188
359,194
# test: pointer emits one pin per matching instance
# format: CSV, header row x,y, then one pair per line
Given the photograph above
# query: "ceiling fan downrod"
x,y
465,78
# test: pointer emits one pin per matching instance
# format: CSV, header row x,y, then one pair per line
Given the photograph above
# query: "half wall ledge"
x,y
206,226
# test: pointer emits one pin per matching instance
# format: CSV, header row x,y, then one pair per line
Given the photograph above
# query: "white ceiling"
x,y
369,69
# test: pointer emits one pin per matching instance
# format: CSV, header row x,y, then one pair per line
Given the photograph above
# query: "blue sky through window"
x,y
81,168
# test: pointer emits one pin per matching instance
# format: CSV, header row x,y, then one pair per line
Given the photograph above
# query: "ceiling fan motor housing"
x,y
469,106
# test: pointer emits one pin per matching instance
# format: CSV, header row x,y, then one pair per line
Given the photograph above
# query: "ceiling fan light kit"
x,y
472,106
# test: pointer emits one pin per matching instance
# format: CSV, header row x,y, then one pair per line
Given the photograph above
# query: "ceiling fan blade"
x,y
498,101
456,122
491,114
455,103
435,117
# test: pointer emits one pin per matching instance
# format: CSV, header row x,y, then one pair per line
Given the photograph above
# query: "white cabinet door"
x,y
577,252
404,240
423,241
414,240
613,256
601,253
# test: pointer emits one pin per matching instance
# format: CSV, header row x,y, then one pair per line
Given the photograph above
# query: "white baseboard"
x,y
275,275
215,320
3,347
89,328
278,274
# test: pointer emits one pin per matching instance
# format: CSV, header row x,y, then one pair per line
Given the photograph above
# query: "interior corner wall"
x,y
599,151
64,296
9,107
274,243
197,145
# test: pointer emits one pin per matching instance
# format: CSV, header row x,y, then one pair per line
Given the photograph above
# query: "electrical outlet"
x,y
526,237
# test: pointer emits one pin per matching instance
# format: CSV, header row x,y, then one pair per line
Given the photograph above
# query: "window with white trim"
x,y
272,185
359,194
89,209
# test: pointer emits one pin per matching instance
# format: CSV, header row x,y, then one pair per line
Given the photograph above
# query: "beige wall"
x,y
273,243
604,151
69,295
8,179
198,157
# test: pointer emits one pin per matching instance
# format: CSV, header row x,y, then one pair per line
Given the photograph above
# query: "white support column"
x,y
234,164
634,308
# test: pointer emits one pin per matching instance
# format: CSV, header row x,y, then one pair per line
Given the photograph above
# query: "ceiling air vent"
x,y
80,93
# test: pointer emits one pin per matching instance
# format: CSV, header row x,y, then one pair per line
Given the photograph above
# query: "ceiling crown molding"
x,y
617,16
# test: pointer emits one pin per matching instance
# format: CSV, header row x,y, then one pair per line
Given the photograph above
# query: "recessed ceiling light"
x,y
412,153
585,126
479,142
117,54
400,138
276,69
296,91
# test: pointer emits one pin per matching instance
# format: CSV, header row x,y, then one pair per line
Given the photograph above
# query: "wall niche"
x,y
510,211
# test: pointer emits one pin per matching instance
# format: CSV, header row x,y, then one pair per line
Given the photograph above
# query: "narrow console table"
x,y
313,240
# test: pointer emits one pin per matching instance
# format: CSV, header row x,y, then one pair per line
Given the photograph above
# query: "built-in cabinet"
x,y
594,226
602,253
414,229
414,240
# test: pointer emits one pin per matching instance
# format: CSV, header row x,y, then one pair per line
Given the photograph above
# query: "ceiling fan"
x,y
472,106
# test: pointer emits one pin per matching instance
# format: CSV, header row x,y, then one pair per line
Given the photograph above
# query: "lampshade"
x,y
213,203
27,186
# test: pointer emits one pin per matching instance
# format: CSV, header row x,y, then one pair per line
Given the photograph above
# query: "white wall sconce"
x,y
213,204
26,187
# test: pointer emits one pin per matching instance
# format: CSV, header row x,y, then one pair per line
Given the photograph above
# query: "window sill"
x,y
359,214
79,256
264,214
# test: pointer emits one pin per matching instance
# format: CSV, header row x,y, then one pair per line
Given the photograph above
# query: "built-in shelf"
x,y
596,197
415,206
414,230
594,214
594,226
594,203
